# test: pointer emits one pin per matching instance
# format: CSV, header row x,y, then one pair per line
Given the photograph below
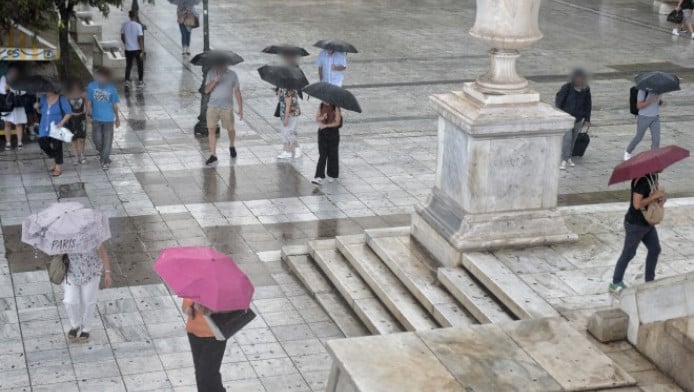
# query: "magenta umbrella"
x,y
206,276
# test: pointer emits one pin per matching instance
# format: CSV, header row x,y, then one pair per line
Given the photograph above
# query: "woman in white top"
x,y
17,116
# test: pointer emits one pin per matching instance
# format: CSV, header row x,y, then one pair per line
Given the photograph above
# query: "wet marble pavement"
x,y
158,192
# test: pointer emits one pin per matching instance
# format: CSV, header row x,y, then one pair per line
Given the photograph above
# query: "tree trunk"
x,y
63,38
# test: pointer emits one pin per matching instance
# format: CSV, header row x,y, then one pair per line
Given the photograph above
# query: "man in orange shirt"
x,y
208,352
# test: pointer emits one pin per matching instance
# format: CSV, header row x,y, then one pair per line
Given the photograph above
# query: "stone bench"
x,y
108,54
85,28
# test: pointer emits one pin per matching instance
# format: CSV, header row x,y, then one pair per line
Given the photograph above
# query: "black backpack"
x,y
633,97
7,102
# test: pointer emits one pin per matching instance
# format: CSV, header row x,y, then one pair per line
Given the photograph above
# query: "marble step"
x,y
308,273
384,284
507,287
355,292
414,269
475,299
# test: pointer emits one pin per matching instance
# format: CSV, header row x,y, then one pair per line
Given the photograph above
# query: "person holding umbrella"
x,y
645,209
288,80
216,298
651,86
222,86
329,119
187,19
73,232
332,60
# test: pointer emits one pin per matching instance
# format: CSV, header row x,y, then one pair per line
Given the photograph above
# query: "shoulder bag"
x,y
654,212
60,133
57,268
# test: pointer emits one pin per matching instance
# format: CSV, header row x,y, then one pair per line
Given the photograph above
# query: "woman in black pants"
x,y
329,118
54,109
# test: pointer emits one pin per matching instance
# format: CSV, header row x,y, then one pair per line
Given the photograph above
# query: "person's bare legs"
x,y
20,134
8,134
212,140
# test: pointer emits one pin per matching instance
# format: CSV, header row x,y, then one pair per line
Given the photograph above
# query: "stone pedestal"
x,y
496,176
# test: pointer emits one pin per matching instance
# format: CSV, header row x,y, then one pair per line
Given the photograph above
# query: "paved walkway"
x,y
159,194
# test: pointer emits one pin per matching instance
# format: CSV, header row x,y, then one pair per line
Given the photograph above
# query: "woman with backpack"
x,y
54,109
574,98
644,192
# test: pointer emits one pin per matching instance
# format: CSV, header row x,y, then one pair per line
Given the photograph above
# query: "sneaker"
x,y
616,288
8,147
627,156
298,153
284,155
20,146
331,180
675,32
571,163
317,181
212,159
141,84
84,337
72,334
83,159
562,166
692,35
232,151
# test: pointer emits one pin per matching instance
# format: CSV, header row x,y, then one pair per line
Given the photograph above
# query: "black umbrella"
x,y
337,45
35,84
657,82
332,94
216,57
283,76
286,50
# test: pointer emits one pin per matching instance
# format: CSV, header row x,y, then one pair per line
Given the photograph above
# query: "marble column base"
x,y
447,233
496,176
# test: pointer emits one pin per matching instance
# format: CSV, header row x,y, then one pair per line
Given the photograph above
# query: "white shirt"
x,y
131,30
326,61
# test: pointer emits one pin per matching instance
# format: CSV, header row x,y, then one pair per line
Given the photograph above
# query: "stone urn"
x,y
506,26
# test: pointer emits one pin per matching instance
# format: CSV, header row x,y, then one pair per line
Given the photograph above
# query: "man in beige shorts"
x,y
222,85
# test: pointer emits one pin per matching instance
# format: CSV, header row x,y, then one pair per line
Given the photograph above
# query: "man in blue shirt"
x,y
102,111
332,66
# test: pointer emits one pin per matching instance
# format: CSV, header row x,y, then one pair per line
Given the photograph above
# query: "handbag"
x,y
676,16
57,268
7,102
224,325
60,133
654,212
191,21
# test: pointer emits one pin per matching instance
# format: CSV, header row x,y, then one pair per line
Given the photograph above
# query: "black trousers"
x,y
131,55
53,148
207,359
328,148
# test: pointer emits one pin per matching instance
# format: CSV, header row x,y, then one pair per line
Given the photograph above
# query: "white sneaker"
x,y
141,84
571,163
562,166
675,32
627,156
126,84
330,179
284,155
317,181
184,50
298,153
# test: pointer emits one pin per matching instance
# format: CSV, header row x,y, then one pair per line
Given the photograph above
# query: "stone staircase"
x,y
390,284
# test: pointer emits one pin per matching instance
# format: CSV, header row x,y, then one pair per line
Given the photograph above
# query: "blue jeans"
x,y
185,35
570,140
634,235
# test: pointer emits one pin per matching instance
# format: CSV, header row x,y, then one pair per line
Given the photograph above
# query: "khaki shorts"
x,y
214,115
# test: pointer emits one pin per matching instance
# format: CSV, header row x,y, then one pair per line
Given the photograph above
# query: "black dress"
x,y
76,124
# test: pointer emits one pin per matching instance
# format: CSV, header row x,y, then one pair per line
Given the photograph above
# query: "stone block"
x,y
609,325
668,345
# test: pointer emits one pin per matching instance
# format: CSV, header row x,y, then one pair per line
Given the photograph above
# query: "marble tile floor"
x,y
254,205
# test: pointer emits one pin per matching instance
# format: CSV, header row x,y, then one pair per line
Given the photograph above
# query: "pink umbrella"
x,y
206,276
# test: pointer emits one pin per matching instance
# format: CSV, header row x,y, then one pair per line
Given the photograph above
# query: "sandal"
x,y
56,174
72,334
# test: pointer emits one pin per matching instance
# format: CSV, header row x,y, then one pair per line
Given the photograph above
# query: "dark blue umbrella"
x,y
657,82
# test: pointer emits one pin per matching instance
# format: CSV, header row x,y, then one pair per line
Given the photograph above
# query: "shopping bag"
x,y
60,133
